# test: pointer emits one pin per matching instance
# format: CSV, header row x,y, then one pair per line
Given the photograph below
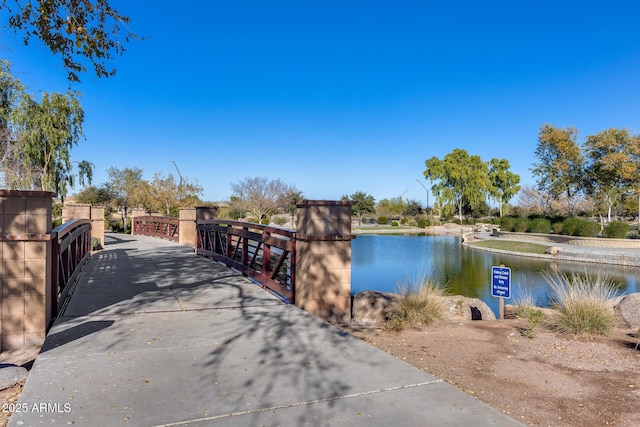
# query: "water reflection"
x,y
384,262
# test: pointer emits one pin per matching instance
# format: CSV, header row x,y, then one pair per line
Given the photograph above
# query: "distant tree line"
x,y
127,189
602,174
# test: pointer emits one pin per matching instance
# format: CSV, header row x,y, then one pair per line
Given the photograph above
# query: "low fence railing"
x,y
164,227
267,254
71,250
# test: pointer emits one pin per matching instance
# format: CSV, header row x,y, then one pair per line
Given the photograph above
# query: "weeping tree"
x,y
47,131
37,138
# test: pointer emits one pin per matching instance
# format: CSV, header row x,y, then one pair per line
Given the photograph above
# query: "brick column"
x,y
76,211
86,211
188,216
133,213
97,223
25,250
323,258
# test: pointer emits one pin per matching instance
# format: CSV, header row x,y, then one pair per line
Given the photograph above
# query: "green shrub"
x,y
404,220
616,230
571,226
539,225
507,223
394,223
556,227
56,223
96,245
279,221
265,221
116,225
583,303
383,220
419,304
589,229
521,225
422,223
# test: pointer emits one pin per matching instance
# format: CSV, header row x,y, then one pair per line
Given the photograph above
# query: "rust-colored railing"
x,y
165,227
71,250
266,254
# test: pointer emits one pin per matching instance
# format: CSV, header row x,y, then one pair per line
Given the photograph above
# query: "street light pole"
x,y
180,184
425,189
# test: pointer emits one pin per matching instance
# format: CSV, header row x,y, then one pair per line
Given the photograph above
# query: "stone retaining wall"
x,y
595,242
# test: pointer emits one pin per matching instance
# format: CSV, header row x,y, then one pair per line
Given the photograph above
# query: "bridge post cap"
x,y
26,193
302,203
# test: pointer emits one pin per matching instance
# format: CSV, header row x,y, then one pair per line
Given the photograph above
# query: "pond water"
x,y
382,263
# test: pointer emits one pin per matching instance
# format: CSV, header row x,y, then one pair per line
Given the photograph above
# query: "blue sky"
x,y
340,96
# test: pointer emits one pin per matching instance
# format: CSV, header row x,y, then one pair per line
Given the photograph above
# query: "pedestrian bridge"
x,y
155,335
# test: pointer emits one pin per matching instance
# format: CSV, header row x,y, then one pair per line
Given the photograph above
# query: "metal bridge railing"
x,y
267,254
164,227
71,250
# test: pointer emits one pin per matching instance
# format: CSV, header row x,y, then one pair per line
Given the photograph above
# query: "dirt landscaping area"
x,y
550,380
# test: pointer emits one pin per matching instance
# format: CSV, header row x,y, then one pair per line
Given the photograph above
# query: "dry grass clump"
x,y
523,303
420,303
582,302
525,308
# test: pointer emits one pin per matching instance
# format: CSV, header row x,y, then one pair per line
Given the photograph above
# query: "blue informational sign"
x,y
501,282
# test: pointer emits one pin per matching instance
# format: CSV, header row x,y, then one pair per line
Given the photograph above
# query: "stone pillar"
x,y
25,251
76,211
323,258
97,223
133,213
187,234
137,212
85,211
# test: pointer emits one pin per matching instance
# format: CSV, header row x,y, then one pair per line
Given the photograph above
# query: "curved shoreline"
x,y
610,256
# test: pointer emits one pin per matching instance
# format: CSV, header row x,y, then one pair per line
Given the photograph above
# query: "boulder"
x,y
370,308
554,250
629,309
469,308
11,375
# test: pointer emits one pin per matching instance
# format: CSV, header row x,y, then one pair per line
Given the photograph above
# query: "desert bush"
x,y
521,225
523,303
589,229
556,227
96,245
422,223
571,226
404,220
279,221
115,225
580,227
394,224
539,225
420,304
583,302
383,220
616,230
507,223
412,223
265,221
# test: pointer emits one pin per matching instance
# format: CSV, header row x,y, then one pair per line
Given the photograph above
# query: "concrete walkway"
x,y
157,336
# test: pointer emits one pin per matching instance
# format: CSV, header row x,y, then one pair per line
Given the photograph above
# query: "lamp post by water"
x,y
425,189
180,184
